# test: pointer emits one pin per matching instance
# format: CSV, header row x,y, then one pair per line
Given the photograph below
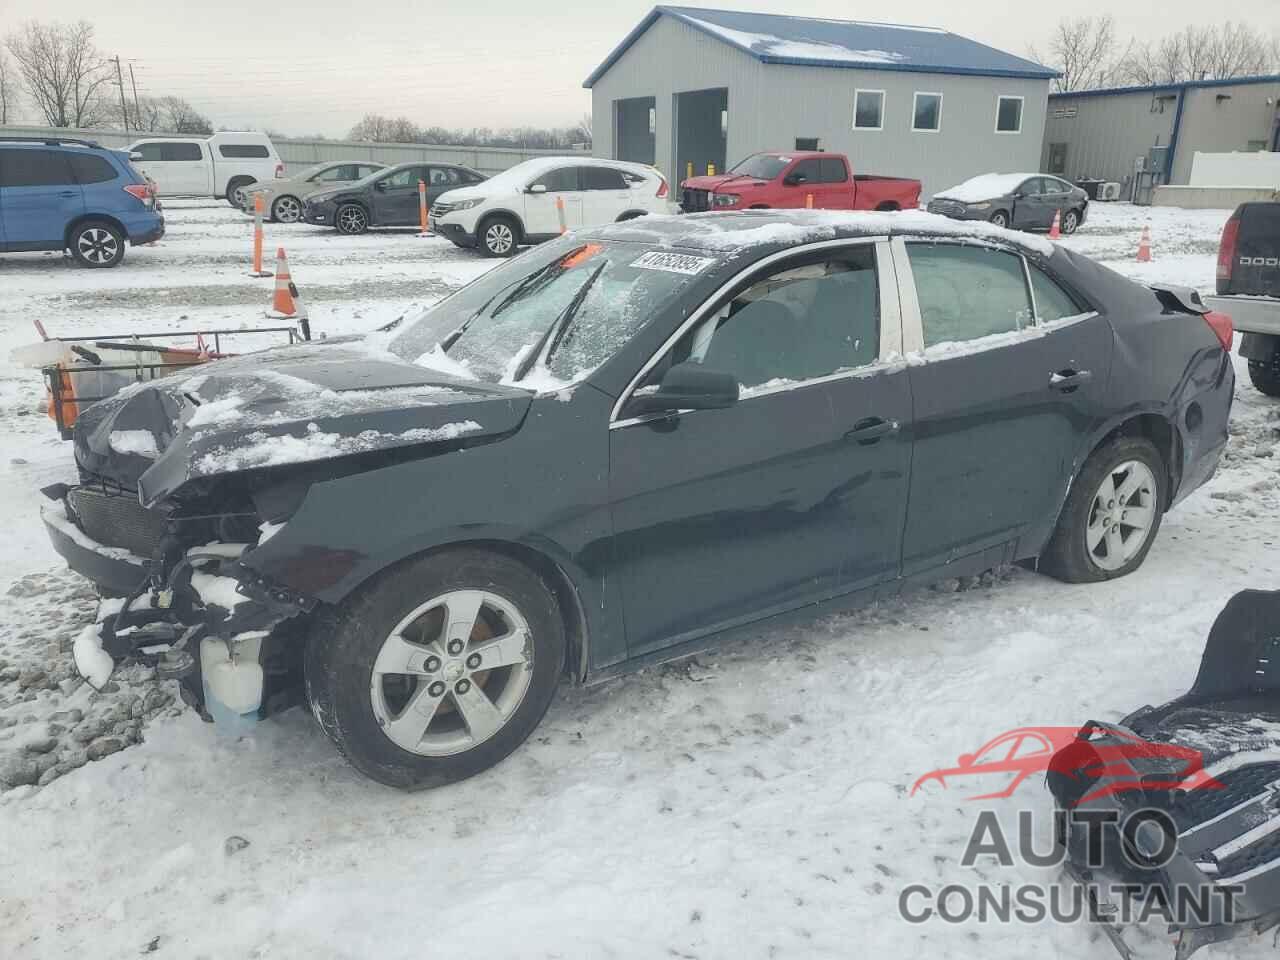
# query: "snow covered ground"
x,y
749,803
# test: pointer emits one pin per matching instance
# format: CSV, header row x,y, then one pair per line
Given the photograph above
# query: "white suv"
x,y
218,166
520,206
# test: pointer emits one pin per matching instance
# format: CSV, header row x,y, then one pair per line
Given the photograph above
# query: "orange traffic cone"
x,y
1144,246
1055,231
283,303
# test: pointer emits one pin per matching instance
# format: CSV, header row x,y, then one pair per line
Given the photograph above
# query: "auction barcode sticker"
x,y
672,262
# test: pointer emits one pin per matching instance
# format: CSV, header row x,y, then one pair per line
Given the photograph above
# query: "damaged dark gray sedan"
x,y
620,446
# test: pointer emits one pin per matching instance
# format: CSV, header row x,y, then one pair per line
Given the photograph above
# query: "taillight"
x,y
1227,253
279,171
143,192
1222,327
662,187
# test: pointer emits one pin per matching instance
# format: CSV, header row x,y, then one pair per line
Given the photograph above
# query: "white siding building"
x,y
688,88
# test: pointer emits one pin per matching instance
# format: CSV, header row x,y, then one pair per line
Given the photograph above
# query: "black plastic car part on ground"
x,y
1214,841
678,427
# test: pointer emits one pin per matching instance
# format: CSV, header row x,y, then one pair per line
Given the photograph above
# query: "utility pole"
x,y
137,110
124,112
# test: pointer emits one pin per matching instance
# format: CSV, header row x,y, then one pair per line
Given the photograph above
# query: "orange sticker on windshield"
x,y
581,256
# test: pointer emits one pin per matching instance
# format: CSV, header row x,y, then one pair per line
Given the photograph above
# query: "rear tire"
x,y
498,236
408,722
97,244
1265,376
235,191
1083,549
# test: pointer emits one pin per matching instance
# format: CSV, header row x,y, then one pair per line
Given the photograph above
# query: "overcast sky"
x,y
316,66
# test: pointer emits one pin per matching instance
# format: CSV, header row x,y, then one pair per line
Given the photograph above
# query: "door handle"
x,y
1067,381
66,193
870,430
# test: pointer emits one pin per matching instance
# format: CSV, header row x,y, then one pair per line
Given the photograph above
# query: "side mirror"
x,y
538,188
1018,195
794,179
686,386
135,155
381,186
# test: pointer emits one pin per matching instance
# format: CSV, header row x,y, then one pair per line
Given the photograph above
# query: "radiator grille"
x,y
117,520
694,201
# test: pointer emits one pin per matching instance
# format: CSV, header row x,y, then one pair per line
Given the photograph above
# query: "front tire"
x,y
351,219
438,669
1265,376
286,209
999,219
96,243
1111,516
235,192
1070,222
498,237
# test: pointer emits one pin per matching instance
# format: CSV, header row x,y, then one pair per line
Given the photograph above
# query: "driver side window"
x,y
809,319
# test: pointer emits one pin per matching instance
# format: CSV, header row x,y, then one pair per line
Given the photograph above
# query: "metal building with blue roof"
x,y
690,88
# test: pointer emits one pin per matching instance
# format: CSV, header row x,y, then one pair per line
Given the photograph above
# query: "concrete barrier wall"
x,y
297,154
1259,169
1210,198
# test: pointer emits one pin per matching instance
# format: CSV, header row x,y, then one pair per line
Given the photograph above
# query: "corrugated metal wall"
x,y
297,154
1105,134
770,105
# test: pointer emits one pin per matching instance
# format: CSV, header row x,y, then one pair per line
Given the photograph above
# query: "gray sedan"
x,y
282,199
1027,201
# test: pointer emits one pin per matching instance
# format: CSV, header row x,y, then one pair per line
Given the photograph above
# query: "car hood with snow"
x,y
989,186
285,406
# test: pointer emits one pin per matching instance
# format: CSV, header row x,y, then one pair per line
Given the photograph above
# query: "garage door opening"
x,y
702,129
635,122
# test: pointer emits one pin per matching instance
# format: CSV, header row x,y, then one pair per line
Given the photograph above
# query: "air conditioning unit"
x,y
1109,191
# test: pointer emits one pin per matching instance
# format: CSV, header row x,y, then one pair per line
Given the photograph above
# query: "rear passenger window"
x,y
244,151
810,170
90,169
1052,302
833,170
968,292
34,168
806,321
444,176
602,178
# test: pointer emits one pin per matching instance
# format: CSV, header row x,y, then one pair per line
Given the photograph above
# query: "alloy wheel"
x,y
98,246
999,220
452,673
288,210
1122,514
352,220
499,238
1069,222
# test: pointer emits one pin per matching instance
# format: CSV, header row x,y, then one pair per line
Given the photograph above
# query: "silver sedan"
x,y
282,199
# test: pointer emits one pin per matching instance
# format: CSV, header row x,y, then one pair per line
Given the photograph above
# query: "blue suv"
x,y
63,194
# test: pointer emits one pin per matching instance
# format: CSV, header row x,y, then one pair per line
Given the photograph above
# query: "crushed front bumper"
x,y
232,639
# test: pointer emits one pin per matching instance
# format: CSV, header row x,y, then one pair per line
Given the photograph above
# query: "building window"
x,y
807,143
926,114
653,119
1009,115
868,109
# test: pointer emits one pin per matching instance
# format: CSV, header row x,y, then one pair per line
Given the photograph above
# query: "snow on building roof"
x,y
773,38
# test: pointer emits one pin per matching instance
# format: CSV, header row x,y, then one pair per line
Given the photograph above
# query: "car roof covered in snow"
x,y
807,41
744,229
987,186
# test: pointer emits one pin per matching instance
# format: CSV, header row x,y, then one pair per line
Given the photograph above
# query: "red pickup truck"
x,y
789,179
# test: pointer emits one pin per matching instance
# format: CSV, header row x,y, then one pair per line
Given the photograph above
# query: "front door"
x,y
1003,399
793,494
1030,208
39,197
395,197
541,213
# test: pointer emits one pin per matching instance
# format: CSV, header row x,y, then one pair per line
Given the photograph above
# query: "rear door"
x,y
1056,197
605,195
837,187
39,195
794,494
1007,392
541,216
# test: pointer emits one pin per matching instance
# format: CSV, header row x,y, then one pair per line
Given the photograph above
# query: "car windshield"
x,y
551,316
762,166
308,172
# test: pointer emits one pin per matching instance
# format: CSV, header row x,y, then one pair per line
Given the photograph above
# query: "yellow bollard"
x,y
689,170
711,169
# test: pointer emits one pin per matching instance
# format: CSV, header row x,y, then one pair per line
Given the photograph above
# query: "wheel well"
x,y
631,215
236,181
91,217
501,215
888,206
1161,433
759,206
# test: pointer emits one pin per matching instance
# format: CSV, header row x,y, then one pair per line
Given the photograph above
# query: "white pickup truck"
x,y
1249,288
218,166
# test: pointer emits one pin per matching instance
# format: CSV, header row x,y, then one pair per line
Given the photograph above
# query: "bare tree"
x,y
1202,53
178,116
584,127
1085,52
1238,51
62,71
8,88
374,126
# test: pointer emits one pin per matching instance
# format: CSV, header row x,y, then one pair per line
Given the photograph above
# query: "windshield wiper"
x,y
551,338
513,296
